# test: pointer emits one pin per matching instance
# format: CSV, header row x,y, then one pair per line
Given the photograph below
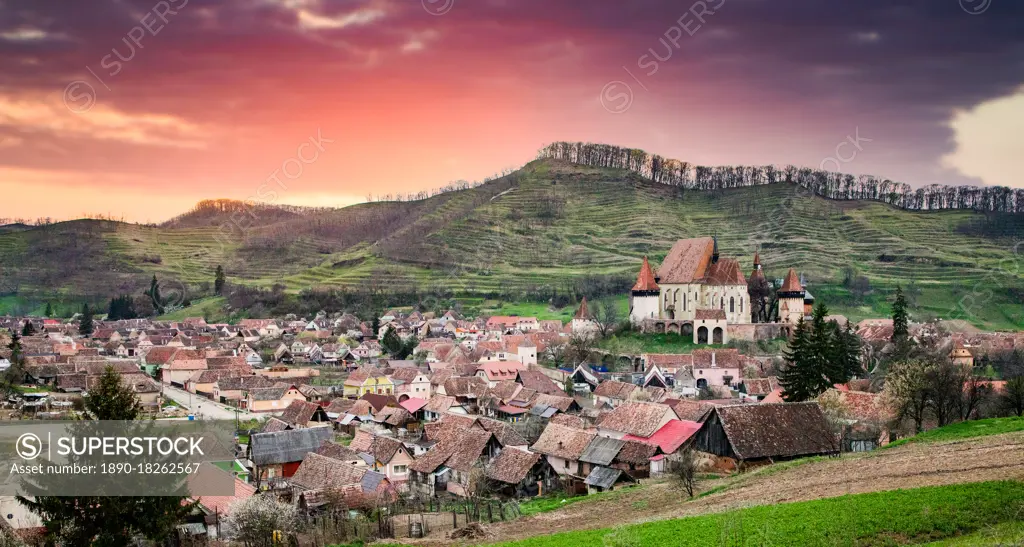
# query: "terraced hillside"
x,y
546,224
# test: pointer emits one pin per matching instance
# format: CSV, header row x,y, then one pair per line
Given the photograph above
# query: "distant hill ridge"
x,y
828,184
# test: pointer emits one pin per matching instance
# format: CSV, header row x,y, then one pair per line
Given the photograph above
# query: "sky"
x,y
138,109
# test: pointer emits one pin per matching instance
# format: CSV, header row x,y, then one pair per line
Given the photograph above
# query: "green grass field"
x,y
554,225
635,343
899,517
1006,534
966,430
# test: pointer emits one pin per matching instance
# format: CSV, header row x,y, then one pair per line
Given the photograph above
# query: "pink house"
x,y
716,367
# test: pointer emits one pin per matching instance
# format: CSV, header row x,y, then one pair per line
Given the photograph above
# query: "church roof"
x,y
725,272
792,283
645,281
582,312
687,260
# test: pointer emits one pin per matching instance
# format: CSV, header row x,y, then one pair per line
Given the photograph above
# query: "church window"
x,y
732,305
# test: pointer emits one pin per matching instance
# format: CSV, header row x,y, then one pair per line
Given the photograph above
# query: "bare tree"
x,y
976,394
944,383
606,316
684,469
1012,398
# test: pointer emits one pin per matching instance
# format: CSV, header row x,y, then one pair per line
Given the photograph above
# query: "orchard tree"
x,y
907,387
258,517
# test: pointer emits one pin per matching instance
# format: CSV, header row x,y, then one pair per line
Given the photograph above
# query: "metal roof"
x,y
287,446
604,477
371,480
601,450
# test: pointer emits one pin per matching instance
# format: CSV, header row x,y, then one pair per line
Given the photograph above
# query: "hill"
x,y
552,227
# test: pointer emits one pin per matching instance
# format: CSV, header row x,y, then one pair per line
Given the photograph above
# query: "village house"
x,y
368,380
634,418
182,365
318,476
496,371
410,382
563,446
272,399
716,367
300,414
234,389
520,473
449,465
612,393
277,455
388,456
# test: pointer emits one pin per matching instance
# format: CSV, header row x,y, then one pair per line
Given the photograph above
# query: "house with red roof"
x,y
496,371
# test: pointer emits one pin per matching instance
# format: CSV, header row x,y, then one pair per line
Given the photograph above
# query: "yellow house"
x,y
368,380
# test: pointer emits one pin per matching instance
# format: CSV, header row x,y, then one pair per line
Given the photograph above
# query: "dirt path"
x,y
913,465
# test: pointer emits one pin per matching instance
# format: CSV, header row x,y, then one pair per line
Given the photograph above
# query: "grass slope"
x,y
966,430
549,223
898,517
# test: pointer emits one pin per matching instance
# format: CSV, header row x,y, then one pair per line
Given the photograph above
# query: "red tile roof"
x,y
710,315
792,282
221,505
687,260
582,312
645,280
725,272
636,418
671,435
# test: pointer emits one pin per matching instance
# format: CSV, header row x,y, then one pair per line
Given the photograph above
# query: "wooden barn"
x,y
766,432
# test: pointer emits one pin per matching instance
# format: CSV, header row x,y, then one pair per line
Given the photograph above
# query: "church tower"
x,y
791,299
645,296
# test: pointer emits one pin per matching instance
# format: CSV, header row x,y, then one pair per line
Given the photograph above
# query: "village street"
x,y
204,408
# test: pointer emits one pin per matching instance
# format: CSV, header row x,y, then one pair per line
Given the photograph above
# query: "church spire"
x,y
645,281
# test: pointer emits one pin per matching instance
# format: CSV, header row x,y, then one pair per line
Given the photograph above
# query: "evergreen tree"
x,y
29,329
85,326
391,343
121,307
796,376
110,399
17,355
900,327
819,356
218,280
848,353
114,520
154,295
49,310
900,319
